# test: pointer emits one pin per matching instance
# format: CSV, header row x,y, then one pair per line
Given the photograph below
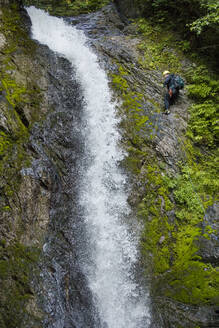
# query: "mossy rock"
x,y
16,263
67,7
20,101
173,200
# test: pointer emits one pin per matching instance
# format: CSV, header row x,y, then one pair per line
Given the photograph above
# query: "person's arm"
x,y
167,80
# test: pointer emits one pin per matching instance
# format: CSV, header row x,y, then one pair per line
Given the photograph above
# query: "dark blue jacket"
x,y
169,82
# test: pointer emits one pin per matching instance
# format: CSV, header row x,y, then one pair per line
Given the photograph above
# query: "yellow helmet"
x,y
165,73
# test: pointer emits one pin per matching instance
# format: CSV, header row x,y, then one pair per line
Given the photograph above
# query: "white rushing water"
x,y
112,246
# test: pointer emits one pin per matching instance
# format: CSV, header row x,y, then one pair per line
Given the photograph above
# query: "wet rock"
x,y
2,40
114,48
209,248
44,210
176,314
58,143
114,45
127,8
105,22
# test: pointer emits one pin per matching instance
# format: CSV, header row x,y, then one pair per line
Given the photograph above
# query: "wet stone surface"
x,y
58,143
114,46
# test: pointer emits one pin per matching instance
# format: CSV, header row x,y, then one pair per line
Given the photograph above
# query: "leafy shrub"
x,y
204,89
68,7
196,20
211,17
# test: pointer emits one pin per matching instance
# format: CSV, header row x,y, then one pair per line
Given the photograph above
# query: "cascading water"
x,y
111,252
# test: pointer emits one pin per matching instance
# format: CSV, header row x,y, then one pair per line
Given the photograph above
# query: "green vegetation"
x,y
178,268
16,262
17,95
173,207
173,241
19,106
160,50
210,19
204,90
196,21
132,110
68,7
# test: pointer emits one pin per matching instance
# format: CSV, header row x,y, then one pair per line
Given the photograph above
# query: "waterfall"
x,y
112,248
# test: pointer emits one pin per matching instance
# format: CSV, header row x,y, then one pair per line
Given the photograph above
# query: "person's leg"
x,y
174,97
167,101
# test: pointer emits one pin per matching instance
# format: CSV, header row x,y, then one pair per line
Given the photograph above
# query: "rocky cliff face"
x,y
40,150
161,159
24,198
40,153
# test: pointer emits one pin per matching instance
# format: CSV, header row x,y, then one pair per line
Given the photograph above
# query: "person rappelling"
x,y
173,83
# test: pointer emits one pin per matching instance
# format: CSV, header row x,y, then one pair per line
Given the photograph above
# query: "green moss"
x,y
179,272
68,7
137,127
16,262
20,95
17,95
173,207
14,93
172,244
160,49
169,241
204,90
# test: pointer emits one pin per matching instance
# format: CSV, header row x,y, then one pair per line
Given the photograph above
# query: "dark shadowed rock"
x,y
62,286
127,8
209,248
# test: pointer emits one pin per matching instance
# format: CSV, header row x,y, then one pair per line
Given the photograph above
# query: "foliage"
x,y
16,95
195,20
160,50
198,13
178,269
155,47
17,92
211,18
173,207
68,7
204,90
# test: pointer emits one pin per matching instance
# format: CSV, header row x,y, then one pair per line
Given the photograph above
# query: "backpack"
x,y
178,82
